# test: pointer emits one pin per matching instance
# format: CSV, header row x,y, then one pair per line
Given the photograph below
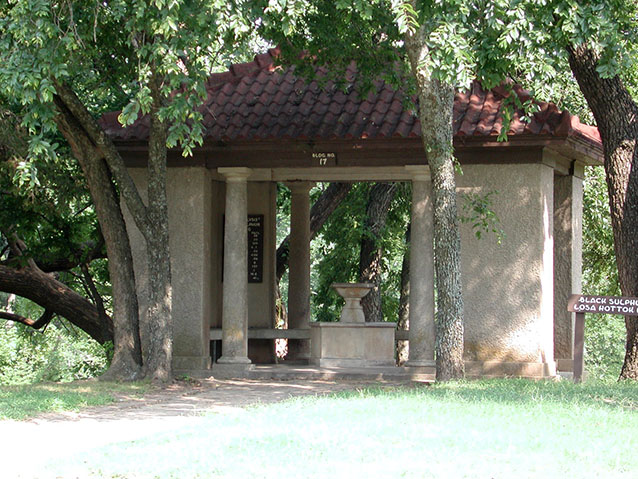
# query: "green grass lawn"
x,y
478,429
21,402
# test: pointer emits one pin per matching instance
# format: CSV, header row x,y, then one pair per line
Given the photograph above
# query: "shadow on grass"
x,y
622,395
24,401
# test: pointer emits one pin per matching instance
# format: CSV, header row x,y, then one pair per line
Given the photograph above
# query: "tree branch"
x,y
54,296
79,257
42,321
84,253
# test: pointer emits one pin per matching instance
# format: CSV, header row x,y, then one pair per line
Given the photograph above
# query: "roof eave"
x,y
573,146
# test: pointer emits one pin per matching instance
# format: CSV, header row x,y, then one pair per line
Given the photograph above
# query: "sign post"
x,y
579,347
581,304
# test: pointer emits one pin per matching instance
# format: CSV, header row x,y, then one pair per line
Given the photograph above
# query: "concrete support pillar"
x,y
422,328
299,268
235,280
568,236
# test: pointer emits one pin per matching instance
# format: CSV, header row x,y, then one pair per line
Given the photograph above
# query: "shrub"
x,y
59,353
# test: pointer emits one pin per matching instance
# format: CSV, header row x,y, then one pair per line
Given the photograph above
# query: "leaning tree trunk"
x,y
152,222
370,255
403,323
436,101
127,353
32,282
616,115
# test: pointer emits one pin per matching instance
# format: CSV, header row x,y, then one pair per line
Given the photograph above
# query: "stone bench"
x,y
266,333
269,333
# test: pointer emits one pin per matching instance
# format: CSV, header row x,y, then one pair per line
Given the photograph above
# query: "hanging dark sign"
x,y
255,248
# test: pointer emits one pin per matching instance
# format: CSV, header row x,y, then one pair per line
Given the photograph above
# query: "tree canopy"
x,y
64,62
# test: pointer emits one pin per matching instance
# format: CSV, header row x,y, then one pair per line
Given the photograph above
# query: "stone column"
x,y
299,268
568,236
422,330
235,280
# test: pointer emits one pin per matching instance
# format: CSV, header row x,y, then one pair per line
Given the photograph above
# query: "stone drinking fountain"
x,y
352,342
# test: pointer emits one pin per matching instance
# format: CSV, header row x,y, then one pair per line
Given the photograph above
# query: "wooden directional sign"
x,y
581,304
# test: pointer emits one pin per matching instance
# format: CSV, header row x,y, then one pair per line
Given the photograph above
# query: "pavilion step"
x,y
290,372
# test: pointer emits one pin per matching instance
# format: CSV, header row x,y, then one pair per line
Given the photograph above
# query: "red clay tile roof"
x,y
256,100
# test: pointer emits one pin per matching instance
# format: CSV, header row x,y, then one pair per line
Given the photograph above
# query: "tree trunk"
x,y
159,328
616,115
56,297
14,140
127,353
319,213
436,101
152,222
403,324
379,200
281,313
11,299
281,322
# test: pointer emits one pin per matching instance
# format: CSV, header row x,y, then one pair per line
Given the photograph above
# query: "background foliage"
x,y
45,203
60,352
335,252
604,333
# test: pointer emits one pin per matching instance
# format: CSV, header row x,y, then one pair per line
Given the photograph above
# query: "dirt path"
x,y
130,418
196,397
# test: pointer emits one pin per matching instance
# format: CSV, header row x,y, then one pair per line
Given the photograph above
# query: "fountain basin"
x,y
353,293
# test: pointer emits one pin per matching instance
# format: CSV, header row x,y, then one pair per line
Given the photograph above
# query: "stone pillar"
x,y
235,280
299,268
568,236
422,330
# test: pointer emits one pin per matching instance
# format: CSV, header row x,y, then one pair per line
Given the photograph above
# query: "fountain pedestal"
x,y
352,342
